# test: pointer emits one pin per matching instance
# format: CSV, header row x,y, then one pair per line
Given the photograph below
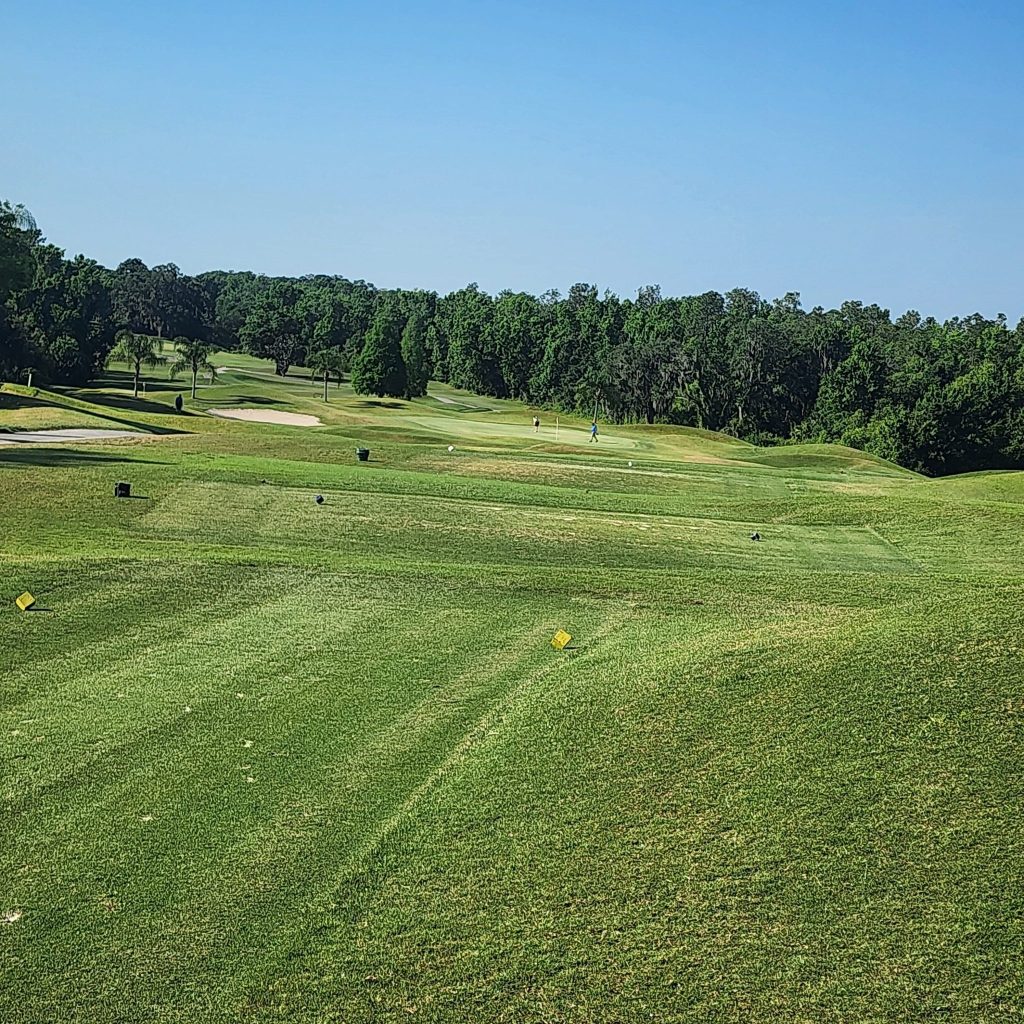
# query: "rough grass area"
x,y
266,760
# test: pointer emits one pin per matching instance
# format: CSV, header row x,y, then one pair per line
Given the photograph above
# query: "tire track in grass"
x,y
277,839
80,816
355,875
916,562
293,840
487,723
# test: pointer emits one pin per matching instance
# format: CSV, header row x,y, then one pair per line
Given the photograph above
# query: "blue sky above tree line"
x,y
843,150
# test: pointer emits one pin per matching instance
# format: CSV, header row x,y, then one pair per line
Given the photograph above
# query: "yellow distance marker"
x,y
560,639
25,601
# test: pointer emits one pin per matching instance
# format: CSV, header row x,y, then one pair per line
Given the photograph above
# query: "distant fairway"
x,y
265,760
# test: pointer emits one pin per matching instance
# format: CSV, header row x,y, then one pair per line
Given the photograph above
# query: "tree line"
x,y
941,397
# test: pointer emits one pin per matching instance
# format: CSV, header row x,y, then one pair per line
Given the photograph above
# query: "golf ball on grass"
x,y
451,447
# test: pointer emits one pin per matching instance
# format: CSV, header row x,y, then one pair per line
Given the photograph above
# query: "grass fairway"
x,y
264,760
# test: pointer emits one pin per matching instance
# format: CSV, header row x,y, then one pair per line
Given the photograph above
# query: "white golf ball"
x,y
451,447
631,465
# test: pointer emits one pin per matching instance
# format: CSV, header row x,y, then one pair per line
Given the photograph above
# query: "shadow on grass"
x,y
100,404
147,382
233,401
380,403
127,403
41,455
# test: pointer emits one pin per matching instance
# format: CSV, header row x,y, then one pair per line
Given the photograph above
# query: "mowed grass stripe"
x,y
759,834
418,527
153,602
172,768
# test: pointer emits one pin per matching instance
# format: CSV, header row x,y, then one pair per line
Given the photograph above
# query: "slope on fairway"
x,y
268,760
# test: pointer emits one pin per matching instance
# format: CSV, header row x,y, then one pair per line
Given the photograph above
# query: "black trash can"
x,y
122,489
363,454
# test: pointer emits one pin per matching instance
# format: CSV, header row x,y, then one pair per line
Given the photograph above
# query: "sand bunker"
x,y
289,419
78,434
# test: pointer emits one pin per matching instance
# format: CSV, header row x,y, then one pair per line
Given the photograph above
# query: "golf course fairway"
x,y
269,760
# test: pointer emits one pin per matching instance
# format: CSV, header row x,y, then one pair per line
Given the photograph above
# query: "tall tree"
x,y
329,362
192,356
379,369
271,329
465,319
414,356
18,238
137,350
18,234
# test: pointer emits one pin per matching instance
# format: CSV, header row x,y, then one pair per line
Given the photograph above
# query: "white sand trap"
x,y
50,436
288,419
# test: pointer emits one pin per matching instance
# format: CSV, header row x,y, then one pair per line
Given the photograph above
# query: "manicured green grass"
x,y
266,760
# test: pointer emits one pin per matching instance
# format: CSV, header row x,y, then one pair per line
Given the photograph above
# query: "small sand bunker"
x,y
288,419
76,434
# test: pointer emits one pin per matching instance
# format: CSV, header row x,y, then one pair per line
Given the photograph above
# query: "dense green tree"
x,y
379,369
18,235
518,330
939,397
414,356
162,301
271,329
64,316
18,238
648,363
464,318
232,296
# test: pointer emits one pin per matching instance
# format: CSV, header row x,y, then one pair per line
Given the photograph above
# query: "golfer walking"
x,y
593,431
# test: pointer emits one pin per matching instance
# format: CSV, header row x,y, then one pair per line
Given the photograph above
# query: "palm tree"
x,y
192,355
138,350
328,361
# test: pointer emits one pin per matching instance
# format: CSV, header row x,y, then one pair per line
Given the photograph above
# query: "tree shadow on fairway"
x,y
101,403
236,401
380,403
8,401
41,455
127,403
259,400
126,381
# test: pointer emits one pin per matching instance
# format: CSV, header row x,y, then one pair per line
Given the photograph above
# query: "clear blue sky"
x,y
870,150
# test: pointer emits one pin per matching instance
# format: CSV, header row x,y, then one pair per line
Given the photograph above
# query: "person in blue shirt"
x,y
593,431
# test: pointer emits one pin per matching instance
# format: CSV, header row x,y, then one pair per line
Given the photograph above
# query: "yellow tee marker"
x,y
25,601
560,639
